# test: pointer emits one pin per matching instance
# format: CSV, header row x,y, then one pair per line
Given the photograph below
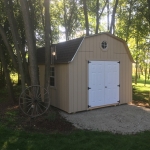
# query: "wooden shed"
x,y
89,72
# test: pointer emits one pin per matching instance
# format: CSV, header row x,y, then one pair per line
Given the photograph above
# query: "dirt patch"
x,y
12,117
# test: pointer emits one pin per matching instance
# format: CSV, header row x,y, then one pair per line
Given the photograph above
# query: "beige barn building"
x,y
89,72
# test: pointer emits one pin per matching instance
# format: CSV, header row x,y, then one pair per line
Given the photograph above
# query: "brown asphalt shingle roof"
x,y
65,51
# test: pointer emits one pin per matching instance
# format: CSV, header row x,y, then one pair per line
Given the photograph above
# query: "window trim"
x,y
52,77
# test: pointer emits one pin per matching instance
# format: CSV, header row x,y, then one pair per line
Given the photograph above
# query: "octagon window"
x,y
104,45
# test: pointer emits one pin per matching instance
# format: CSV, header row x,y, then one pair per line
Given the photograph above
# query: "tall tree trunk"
x,y
98,16
47,43
86,17
65,20
32,18
129,22
17,42
41,8
145,70
148,73
108,15
2,80
68,19
9,49
136,69
112,25
148,2
7,75
16,39
30,42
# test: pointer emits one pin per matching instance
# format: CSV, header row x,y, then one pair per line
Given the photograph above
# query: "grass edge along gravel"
x,y
81,139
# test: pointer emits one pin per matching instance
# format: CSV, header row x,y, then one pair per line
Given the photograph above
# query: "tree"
x,y
86,17
16,38
112,25
108,15
30,42
7,75
98,15
70,17
47,44
9,48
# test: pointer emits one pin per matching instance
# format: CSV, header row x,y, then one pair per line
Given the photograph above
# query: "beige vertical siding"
x,y
59,95
78,70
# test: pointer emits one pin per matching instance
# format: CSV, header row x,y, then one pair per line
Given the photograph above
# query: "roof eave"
x,y
76,51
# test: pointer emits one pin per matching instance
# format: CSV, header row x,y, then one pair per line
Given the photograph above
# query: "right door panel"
x,y
111,82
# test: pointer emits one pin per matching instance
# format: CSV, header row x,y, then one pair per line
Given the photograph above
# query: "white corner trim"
x,y
77,51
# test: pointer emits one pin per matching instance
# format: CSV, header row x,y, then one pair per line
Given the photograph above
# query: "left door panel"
x,y
96,83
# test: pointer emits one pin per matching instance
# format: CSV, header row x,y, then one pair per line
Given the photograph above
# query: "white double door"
x,y
103,83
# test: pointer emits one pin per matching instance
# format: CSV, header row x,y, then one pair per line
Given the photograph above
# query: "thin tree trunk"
x,y
30,42
98,16
47,43
86,17
148,2
68,21
15,34
32,18
65,20
7,75
141,70
129,22
108,15
42,16
2,77
136,71
10,51
136,68
112,25
145,75
148,73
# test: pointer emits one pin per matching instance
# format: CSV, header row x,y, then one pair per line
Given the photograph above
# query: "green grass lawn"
x,y
141,92
78,140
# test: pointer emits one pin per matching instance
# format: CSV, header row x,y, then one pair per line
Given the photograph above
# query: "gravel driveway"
x,y
125,119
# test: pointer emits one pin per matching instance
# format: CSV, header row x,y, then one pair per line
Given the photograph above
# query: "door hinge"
x,y
118,101
118,62
89,62
89,106
118,85
89,88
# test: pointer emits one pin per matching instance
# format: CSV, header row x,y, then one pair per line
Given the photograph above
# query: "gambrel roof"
x,y
66,51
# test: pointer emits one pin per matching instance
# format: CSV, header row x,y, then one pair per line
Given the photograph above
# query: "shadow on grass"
x,y
79,140
139,95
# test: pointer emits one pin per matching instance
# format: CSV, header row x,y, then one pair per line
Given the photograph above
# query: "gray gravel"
x,y
125,119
